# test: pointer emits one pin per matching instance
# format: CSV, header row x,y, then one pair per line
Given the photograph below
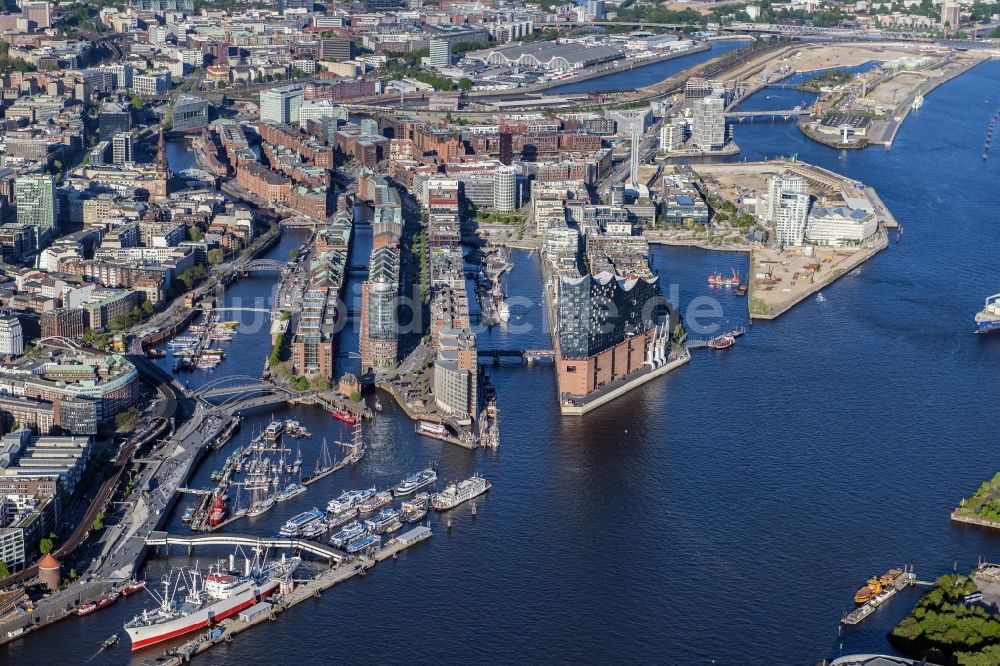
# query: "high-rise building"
x,y
281,105
672,133
456,373
11,336
633,171
440,53
190,113
112,119
708,123
595,8
776,185
337,49
122,74
379,296
609,328
950,14
36,206
37,13
121,148
506,147
790,218
505,189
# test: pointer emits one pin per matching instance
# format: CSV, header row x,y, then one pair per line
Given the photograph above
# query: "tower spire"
x,y
161,153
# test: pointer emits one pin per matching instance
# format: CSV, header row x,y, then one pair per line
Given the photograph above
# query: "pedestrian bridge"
x,y
190,542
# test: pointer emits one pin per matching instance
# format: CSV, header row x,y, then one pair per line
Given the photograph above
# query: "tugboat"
x,y
988,319
188,515
110,641
132,587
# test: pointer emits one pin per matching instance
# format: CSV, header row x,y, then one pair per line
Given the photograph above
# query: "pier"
x,y
165,540
304,591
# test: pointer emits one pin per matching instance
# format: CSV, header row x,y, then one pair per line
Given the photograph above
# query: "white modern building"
x,y
11,336
121,148
790,218
840,226
156,83
440,53
317,109
672,133
281,105
505,189
708,123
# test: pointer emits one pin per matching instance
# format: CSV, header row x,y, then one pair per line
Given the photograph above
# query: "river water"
x,y
725,512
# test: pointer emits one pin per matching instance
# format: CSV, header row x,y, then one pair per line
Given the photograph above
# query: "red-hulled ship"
x,y
102,602
218,512
345,416
132,587
718,280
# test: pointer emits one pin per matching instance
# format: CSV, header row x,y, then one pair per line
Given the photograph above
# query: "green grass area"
x,y
944,630
831,78
759,307
985,502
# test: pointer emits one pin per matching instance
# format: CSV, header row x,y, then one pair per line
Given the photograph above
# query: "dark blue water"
x,y
643,76
727,511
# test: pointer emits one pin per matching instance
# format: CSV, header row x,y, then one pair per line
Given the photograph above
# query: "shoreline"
x,y
855,260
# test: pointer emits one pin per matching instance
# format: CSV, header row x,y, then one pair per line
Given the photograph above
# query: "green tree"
x,y
137,103
293,254
98,523
4,571
216,256
125,421
120,322
196,234
45,546
355,397
319,383
147,308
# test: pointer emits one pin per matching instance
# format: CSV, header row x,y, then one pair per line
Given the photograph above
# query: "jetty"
x,y
269,610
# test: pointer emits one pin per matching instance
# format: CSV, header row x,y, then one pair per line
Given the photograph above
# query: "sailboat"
x,y
324,462
355,451
260,502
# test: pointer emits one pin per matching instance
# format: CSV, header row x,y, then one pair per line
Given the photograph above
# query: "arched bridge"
x,y
263,265
236,385
190,542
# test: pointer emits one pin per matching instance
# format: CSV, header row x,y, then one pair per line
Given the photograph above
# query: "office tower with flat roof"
x,y
281,105
36,206
708,123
